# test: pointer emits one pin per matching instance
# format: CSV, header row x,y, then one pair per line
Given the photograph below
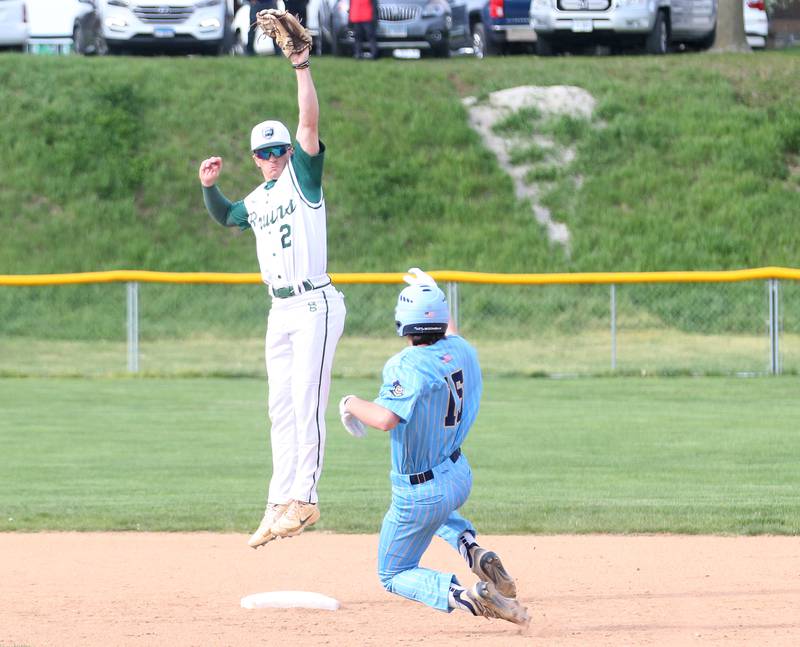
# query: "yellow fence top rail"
x,y
145,276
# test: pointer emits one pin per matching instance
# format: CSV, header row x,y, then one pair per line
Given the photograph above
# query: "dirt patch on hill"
x,y
185,589
527,152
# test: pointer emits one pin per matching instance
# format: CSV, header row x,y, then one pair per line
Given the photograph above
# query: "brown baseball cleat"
x,y
264,533
487,566
490,604
296,519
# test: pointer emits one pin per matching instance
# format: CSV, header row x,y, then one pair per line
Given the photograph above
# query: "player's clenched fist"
x,y
209,171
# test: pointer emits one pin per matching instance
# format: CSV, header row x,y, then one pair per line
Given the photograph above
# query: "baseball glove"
x,y
287,31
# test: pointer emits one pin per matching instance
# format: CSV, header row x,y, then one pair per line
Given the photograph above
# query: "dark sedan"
x,y
436,27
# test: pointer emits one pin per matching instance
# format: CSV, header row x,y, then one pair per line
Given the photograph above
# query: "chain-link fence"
x,y
154,328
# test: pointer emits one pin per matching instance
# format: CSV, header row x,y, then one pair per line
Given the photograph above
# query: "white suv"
x,y
654,24
194,25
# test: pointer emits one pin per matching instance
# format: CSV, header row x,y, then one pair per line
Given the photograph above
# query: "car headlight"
x,y
118,3
207,3
435,8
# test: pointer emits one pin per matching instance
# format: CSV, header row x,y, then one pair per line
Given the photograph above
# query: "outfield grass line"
x,y
621,455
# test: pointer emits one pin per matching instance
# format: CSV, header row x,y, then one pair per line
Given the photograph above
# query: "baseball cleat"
x,y
296,519
264,533
490,604
487,566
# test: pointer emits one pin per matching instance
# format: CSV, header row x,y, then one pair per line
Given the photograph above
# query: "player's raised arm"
x,y
308,105
294,41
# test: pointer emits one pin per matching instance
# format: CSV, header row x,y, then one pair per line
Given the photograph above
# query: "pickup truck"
x,y
653,24
500,26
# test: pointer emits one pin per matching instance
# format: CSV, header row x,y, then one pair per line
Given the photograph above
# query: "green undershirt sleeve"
x,y
225,212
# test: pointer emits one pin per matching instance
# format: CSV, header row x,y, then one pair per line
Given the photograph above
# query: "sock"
x,y
466,546
457,600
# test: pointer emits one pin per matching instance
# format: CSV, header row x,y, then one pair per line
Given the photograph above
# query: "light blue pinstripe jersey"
x,y
435,391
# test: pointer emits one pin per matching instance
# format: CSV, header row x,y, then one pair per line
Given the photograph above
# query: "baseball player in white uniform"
x,y
287,215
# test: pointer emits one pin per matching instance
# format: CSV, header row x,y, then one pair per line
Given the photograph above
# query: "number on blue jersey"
x,y
455,405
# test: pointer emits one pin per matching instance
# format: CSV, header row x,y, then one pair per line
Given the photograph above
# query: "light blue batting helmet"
x,y
421,307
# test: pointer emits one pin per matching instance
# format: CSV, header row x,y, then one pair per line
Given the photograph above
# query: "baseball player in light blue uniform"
x,y
428,401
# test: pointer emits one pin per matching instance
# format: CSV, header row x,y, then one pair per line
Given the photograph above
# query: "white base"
x,y
289,600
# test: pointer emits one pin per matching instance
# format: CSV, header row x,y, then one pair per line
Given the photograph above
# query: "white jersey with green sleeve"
x,y
289,221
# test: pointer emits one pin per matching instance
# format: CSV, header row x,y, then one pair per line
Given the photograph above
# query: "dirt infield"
x,y
185,589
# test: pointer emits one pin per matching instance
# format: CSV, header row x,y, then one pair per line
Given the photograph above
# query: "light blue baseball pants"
x,y
417,513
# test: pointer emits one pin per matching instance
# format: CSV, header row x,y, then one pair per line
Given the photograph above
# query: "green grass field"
x,y
617,455
586,353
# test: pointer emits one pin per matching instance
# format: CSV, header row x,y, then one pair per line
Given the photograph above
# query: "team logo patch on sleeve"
x,y
397,389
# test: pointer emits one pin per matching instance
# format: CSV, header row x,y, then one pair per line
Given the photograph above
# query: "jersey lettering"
x,y
455,405
264,220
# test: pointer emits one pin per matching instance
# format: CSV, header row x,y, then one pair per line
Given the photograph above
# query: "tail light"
x,y
756,4
496,9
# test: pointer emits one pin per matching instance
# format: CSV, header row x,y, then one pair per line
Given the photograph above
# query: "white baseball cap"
x,y
269,133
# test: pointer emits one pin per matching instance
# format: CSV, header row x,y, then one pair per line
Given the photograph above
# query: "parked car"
x,y
13,24
756,23
652,24
165,25
61,26
431,26
500,26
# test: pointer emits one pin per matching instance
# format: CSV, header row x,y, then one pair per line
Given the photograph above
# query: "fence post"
x,y
133,327
774,328
452,299
613,327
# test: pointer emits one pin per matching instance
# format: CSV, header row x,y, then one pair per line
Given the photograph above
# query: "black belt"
x,y
417,479
288,291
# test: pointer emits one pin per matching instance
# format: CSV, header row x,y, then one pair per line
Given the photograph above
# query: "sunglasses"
x,y
272,151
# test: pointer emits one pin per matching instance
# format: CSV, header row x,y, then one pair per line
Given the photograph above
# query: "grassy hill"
x,y
690,162
694,165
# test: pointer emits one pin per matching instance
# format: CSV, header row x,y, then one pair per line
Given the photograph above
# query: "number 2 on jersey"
x,y
286,240
455,405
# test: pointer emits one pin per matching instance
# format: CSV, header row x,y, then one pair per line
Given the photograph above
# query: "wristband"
x,y
302,66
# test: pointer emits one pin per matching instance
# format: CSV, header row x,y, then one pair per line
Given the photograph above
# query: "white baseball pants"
x,y
302,333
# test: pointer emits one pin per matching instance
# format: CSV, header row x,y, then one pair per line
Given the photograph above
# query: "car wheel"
x,y
78,39
658,39
481,45
99,46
